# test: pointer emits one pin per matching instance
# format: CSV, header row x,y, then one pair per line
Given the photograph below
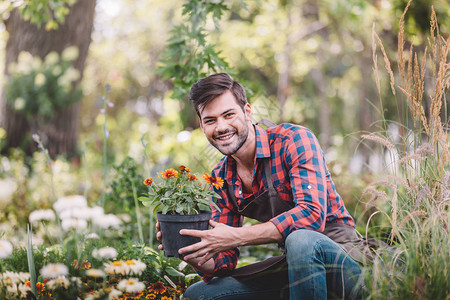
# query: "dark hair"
x,y
207,89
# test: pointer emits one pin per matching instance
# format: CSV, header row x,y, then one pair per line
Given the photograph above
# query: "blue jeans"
x,y
318,268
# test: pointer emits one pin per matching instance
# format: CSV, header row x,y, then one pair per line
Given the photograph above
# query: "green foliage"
x,y
414,200
120,197
38,88
178,193
52,13
188,55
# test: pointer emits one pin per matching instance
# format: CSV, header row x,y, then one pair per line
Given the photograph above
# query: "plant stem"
x,y
138,214
105,129
31,266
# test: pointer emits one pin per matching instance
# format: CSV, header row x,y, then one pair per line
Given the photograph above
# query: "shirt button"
x,y
309,186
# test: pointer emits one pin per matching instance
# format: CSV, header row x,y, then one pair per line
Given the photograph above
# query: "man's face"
x,y
225,124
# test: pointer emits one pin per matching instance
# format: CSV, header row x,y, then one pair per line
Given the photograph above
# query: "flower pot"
x,y
170,226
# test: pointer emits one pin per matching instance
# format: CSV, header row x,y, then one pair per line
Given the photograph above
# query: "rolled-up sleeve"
x,y
226,261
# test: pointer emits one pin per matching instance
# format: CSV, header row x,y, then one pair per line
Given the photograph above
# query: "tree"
x,y
60,133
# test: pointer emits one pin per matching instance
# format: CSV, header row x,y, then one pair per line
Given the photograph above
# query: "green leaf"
x,y
172,272
31,266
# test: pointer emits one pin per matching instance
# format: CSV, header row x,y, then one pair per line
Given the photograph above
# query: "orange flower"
x,y
158,287
217,182
86,265
148,181
184,169
179,186
40,287
169,173
192,177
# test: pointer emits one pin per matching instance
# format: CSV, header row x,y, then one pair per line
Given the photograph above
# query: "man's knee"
x,y
303,241
195,291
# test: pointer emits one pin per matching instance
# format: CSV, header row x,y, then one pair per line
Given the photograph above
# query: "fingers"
x,y
213,223
192,248
159,236
192,232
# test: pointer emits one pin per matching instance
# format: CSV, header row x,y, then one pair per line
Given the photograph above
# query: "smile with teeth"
x,y
225,137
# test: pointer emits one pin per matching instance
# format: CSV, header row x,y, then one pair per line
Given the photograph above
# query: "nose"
x,y
221,125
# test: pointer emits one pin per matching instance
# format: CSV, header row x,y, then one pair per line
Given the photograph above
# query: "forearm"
x,y
259,234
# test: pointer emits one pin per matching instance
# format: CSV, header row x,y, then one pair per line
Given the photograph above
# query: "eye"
x,y
208,121
228,115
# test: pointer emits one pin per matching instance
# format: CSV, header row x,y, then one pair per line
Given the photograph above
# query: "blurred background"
x,y
302,61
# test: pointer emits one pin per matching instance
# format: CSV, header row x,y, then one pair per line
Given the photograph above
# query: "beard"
x,y
236,141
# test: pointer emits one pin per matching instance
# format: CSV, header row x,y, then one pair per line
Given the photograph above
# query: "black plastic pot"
x,y
170,226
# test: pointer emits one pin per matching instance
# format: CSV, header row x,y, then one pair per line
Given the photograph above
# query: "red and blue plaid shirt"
x,y
299,174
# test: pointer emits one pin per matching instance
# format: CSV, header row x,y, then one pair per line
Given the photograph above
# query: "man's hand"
x,y
159,235
220,238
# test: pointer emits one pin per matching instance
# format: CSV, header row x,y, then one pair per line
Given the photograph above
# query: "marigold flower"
x,y
184,169
148,181
169,173
192,177
158,287
217,182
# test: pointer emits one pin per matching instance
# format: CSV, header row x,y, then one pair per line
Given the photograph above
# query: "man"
x,y
279,177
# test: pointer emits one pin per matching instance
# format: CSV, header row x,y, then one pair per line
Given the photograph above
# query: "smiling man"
x,y
277,176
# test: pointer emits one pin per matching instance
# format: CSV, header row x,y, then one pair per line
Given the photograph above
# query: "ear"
x,y
248,112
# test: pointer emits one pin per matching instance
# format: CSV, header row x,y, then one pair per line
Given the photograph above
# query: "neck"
x,y
245,156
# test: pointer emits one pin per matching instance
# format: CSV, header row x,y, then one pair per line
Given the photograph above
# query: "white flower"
x,y
97,273
41,215
104,253
13,278
24,289
136,266
11,290
5,248
7,189
54,271
94,295
95,212
131,285
60,282
114,294
70,53
77,224
39,79
107,221
92,235
117,267
9,277
52,58
69,202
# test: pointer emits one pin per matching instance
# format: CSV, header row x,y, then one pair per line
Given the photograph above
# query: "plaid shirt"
x,y
299,174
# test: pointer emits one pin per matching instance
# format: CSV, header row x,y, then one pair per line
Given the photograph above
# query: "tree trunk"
x,y
60,134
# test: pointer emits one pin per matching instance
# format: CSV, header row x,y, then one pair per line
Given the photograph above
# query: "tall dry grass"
x,y
414,202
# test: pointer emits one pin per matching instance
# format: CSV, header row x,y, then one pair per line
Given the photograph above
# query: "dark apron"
x,y
268,205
